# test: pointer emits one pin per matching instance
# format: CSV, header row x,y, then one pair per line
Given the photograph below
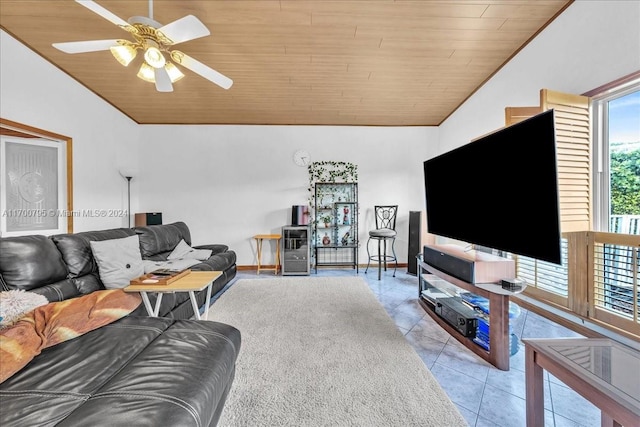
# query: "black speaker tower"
x,y
415,248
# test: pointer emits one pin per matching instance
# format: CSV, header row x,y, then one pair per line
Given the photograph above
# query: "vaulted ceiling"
x,y
315,62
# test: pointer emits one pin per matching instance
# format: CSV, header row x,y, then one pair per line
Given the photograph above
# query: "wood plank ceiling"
x,y
360,62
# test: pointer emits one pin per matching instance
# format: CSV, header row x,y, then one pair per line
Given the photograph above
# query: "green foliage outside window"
x,y
625,183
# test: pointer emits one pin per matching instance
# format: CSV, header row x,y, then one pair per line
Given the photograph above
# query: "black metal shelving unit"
x,y
335,224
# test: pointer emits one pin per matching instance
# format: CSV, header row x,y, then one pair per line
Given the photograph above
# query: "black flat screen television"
x,y
500,191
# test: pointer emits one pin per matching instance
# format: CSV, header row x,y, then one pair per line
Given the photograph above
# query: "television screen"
x,y
499,191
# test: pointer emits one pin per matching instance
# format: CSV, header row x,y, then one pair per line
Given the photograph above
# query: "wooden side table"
x,y
192,282
259,239
601,370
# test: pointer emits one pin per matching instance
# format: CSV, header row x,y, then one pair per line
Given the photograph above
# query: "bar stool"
x,y
385,231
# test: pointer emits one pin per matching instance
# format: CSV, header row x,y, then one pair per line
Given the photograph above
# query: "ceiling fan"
x,y
155,40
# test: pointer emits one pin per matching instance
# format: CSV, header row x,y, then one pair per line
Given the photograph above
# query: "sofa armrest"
x,y
215,249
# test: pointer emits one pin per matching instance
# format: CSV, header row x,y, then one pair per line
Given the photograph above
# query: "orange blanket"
x,y
56,322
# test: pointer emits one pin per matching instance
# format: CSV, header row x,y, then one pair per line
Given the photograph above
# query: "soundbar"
x,y
470,266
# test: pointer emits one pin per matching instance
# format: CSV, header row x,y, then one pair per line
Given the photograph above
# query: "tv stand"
x,y
432,279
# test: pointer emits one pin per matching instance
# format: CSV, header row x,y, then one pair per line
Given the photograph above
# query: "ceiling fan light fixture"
x,y
147,73
174,73
154,41
124,54
153,56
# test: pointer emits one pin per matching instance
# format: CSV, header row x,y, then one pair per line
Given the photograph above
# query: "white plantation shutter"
x,y
573,138
550,281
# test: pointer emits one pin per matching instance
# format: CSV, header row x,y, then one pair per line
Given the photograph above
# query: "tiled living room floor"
x,y
486,396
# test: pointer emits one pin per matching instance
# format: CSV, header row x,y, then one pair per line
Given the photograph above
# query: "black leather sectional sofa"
x,y
62,266
139,370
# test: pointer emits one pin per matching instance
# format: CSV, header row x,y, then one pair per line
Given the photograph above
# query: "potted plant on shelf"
x,y
326,219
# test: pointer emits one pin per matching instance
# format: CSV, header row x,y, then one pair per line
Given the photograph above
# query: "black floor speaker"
x,y
415,248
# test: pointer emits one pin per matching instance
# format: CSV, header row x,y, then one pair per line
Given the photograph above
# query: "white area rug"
x,y
323,352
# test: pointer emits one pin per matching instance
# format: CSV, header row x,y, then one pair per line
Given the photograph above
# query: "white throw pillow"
x,y
184,251
180,250
119,261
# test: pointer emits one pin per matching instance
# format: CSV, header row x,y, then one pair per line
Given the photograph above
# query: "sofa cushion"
x,y
179,380
62,290
218,262
28,262
164,372
157,239
215,248
76,249
119,261
65,375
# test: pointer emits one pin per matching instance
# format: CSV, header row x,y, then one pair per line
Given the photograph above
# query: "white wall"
x,y
593,42
35,93
229,183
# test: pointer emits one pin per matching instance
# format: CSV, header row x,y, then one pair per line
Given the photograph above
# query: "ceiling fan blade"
x,y
199,68
163,82
185,29
85,46
96,8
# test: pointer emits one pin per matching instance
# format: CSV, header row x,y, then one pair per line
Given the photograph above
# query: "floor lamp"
x,y
128,178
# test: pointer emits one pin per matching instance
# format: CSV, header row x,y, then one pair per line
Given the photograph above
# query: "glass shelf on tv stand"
x,y
433,283
433,287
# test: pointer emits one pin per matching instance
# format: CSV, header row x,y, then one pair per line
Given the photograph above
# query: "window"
x,y
616,139
616,148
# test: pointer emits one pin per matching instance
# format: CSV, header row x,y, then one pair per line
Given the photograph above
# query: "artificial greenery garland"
x,y
329,171
332,172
